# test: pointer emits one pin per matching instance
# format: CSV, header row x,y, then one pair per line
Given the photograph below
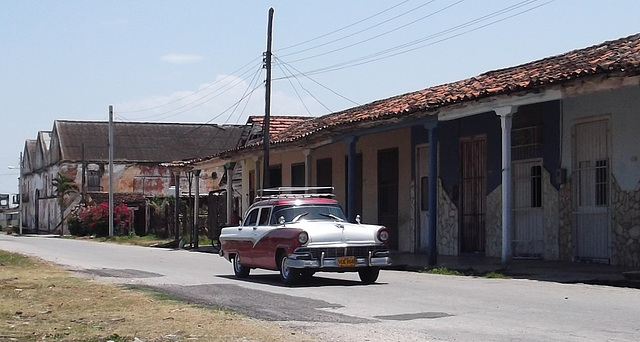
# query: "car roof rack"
x,y
295,192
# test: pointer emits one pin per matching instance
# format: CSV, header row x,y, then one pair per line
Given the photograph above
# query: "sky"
x,y
202,61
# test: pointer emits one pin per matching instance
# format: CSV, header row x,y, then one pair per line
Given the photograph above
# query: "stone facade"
x,y
565,219
447,223
493,223
550,217
625,221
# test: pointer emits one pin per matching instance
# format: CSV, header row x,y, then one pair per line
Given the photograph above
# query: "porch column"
x,y
307,167
196,200
432,238
228,168
506,116
351,179
176,211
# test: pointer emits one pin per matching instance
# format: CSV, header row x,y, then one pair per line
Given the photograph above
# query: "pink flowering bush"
x,y
94,220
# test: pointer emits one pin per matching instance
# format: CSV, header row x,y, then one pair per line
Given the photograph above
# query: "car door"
x,y
243,239
262,247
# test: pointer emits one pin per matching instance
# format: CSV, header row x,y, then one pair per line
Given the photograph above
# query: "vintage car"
x,y
299,233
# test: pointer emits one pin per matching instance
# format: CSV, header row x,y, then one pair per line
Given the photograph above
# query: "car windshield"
x,y
308,212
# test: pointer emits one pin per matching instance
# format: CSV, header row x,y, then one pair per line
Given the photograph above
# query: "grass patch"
x,y
41,301
132,239
443,271
496,275
144,241
468,272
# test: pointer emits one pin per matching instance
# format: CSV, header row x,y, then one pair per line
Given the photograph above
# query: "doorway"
x,y
591,167
473,193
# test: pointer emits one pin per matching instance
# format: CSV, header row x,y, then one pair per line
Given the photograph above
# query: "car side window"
x,y
264,216
252,218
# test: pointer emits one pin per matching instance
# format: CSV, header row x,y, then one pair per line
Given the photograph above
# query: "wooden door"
x,y
473,194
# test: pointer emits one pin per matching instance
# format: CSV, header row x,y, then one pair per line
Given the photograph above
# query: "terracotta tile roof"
x,y
622,55
277,124
251,135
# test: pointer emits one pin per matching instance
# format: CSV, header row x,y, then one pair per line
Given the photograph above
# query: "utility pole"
x,y
267,106
110,170
20,204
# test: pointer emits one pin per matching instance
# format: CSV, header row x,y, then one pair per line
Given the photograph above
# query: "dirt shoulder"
x,y
41,301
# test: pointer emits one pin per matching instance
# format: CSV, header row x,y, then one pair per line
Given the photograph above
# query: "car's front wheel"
x,y
369,275
238,269
288,275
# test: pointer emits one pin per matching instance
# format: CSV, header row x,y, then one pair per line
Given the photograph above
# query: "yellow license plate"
x,y
347,261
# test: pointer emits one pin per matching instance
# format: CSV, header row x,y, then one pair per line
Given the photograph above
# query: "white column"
x,y
506,115
196,205
307,167
229,170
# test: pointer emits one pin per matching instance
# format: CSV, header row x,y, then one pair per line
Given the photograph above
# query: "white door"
x,y
591,183
422,194
528,234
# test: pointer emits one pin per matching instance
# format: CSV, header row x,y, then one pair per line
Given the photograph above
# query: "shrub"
x,y
94,220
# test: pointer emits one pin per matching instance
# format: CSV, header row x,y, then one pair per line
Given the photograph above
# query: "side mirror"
x,y
358,219
281,220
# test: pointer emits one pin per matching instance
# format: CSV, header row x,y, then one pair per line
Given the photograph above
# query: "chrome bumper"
x,y
370,261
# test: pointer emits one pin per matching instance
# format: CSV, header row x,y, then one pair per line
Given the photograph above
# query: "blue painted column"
x,y
506,116
351,179
432,236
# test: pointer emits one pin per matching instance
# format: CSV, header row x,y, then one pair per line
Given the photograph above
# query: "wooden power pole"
x,y
267,105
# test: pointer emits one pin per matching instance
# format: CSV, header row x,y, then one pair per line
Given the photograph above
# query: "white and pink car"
x,y
299,234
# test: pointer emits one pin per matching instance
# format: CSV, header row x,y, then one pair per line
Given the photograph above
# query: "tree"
x,y
64,185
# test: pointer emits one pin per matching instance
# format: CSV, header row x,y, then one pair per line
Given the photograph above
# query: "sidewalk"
x,y
554,271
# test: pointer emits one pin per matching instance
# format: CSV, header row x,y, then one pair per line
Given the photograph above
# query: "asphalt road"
x,y
401,306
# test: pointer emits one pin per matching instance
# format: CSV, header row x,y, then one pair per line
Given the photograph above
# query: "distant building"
x,y
80,150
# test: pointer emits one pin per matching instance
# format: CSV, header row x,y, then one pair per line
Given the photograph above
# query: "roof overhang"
x,y
490,104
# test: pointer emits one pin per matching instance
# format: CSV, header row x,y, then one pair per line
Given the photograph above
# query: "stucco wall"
x,y
337,152
369,146
623,107
285,159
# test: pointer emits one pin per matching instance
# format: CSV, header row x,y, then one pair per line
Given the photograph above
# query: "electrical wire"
x,y
200,101
372,27
387,53
253,81
232,74
377,36
296,90
287,65
343,28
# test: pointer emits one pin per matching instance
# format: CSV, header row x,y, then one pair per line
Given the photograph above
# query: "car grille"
x,y
334,252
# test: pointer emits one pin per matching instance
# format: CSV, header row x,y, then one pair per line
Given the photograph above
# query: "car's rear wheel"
x,y
369,275
288,275
238,269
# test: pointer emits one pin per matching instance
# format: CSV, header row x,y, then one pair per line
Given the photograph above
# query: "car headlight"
x,y
303,237
383,234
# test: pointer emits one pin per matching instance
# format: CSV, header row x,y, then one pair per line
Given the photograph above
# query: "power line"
x,y
296,90
343,28
379,35
387,53
314,81
200,101
197,91
363,30
254,81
